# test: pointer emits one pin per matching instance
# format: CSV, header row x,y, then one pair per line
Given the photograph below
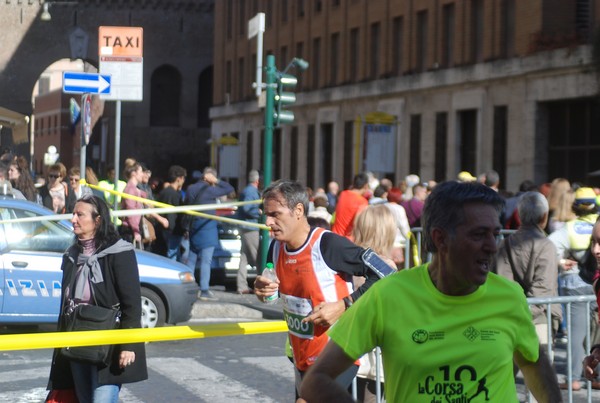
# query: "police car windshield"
x,y
36,236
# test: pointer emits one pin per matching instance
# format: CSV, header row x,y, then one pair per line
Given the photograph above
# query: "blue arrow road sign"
x,y
80,83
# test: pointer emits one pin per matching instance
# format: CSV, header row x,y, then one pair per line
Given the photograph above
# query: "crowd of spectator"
x,y
546,255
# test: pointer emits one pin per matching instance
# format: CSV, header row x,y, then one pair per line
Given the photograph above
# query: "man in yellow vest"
x,y
109,184
571,243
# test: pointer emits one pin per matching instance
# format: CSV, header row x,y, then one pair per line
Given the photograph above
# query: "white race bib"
x,y
294,310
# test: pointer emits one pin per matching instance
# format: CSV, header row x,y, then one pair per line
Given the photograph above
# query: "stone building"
x,y
430,87
169,126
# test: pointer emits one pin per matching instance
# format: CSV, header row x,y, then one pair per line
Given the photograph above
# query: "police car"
x,y
30,276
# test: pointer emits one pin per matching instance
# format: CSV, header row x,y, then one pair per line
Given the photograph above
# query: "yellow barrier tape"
x,y
190,212
123,213
415,250
192,209
13,342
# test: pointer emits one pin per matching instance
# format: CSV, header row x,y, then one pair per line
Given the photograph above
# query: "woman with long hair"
x,y
99,269
92,179
375,228
558,202
21,179
562,212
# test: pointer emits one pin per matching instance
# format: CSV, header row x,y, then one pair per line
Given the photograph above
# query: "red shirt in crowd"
x,y
348,206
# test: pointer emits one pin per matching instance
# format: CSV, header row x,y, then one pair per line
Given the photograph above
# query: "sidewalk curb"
x,y
203,310
236,309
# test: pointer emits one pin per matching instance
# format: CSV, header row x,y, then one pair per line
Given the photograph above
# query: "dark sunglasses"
x,y
53,176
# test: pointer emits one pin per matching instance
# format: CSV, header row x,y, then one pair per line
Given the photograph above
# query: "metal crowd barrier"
x,y
567,302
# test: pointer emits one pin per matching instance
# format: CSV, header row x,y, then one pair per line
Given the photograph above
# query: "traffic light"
x,y
275,99
283,98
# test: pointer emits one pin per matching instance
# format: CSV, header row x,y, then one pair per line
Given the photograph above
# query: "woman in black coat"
x,y
113,281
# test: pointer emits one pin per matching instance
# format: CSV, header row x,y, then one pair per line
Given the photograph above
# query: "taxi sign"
x,y
121,41
121,56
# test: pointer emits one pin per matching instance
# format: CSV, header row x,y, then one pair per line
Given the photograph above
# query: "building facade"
x,y
169,126
430,87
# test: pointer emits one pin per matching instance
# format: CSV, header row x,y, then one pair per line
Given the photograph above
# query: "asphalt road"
x,y
248,368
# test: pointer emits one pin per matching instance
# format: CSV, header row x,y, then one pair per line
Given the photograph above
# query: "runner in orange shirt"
x,y
314,269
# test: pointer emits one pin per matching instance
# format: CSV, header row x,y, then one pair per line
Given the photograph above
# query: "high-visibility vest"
x,y
580,231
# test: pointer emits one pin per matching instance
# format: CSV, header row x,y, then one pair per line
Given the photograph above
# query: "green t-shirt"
x,y
439,348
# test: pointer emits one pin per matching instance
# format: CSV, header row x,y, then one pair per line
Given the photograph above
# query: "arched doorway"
x,y
55,121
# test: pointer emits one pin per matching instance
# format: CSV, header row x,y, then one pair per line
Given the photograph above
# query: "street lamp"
x,y
45,16
46,13
298,63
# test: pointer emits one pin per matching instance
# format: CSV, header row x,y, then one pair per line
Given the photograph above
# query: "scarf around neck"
x,y
91,267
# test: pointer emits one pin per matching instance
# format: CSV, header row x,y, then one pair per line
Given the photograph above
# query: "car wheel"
x,y
153,309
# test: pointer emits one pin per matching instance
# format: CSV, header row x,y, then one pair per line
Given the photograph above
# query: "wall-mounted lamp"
x,y
45,13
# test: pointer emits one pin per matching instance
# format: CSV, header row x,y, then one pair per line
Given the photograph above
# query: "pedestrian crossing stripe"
x,y
24,396
198,379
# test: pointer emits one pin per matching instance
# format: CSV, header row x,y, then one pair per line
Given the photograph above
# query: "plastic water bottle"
x,y
269,272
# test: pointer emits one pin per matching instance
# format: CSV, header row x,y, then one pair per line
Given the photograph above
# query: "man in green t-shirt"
x,y
448,330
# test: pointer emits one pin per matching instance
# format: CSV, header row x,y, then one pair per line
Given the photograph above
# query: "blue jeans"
x,y
173,247
579,315
204,258
85,378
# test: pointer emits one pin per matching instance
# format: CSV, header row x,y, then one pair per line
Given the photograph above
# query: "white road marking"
x,y
205,382
37,395
126,396
26,374
201,381
5,363
279,366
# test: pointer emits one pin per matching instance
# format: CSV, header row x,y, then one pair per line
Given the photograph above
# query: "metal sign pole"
x,y
82,159
117,151
82,123
31,144
268,149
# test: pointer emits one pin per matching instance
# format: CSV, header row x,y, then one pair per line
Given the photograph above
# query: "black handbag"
x,y
91,317
87,317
